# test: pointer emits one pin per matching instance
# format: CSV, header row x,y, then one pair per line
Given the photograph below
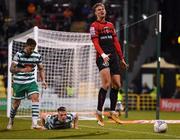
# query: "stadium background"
x,y
18,16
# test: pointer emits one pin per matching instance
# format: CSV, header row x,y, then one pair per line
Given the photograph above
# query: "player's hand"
x,y
124,65
105,58
27,69
76,127
44,84
43,128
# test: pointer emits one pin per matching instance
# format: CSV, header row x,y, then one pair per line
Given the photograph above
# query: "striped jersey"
x,y
22,60
52,122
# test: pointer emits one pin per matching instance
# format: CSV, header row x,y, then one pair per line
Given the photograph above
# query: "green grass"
x,y
90,129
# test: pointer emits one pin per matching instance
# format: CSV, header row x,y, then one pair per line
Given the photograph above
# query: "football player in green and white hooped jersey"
x,y
23,70
59,120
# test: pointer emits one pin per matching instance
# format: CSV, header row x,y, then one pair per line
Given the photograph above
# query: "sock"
x,y
35,112
119,106
13,113
101,99
113,98
99,112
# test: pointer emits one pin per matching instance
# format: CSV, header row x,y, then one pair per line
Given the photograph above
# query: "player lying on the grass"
x,y
24,83
59,120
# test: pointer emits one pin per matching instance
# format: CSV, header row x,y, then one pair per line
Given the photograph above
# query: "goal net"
x,y
70,67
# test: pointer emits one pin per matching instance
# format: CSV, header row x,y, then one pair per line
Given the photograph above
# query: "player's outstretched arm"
x,y
42,118
75,126
124,65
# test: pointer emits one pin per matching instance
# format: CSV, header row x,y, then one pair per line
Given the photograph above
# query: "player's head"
x,y
99,10
30,46
62,113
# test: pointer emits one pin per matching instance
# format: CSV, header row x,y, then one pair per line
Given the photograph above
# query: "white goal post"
x,y
69,60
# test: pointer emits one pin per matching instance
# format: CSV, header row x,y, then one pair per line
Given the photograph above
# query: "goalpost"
x,y
69,60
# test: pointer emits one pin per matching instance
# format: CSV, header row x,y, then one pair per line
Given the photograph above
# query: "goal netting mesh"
x,y
71,73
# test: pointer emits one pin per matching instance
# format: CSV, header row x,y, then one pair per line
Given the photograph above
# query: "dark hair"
x,y
96,5
30,42
62,108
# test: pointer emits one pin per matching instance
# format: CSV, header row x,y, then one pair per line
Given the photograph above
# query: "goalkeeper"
x,y
23,70
109,58
59,120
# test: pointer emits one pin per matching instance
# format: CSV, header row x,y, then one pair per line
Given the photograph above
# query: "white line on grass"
x,y
130,131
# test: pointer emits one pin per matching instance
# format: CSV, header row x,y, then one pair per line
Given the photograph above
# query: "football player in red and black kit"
x,y
109,58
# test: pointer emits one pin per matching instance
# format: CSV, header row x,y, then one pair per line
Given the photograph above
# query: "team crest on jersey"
x,y
92,31
107,30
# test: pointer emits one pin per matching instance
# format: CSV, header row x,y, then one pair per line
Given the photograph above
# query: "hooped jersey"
x,y
52,122
22,60
104,38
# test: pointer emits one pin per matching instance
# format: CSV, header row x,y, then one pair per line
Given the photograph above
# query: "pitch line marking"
x,y
131,131
146,121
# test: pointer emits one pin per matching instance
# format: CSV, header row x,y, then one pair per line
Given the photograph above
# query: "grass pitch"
x,y
90,129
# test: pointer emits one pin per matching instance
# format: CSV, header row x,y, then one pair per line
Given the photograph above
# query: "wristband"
x,y
104,55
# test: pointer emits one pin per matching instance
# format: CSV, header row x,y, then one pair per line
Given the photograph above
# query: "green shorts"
x,y
20,91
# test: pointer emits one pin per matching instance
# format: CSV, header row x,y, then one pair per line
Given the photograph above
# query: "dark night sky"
x,y
170,30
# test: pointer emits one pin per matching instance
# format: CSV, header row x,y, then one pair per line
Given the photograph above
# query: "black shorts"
x,y
114,64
